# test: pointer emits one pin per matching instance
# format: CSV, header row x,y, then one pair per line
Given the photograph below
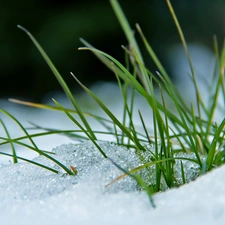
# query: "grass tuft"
x,y
181,137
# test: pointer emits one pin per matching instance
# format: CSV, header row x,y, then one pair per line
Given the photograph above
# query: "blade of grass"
x,y
32,162
127,110
14,155
167,144
212,150
128,77
60,80
81,127
110,114
220,85
40,152
35,148
54,108
21,126
198,96
130,37
148,165
140,182
144,127
170,87
182,172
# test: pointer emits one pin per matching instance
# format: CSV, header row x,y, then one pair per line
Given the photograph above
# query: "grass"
x,y
185,129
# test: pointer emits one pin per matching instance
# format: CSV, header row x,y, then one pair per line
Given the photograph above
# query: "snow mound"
x,y
33,195
26,181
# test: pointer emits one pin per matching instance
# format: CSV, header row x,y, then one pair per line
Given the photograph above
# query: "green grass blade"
x,y
145,128
55,108
21,126
82,128
170,87
198,96
32,162
60,80
102,58
132,42
140,182
35,148
128,111
14,155
182,172
110,114
213,146
220,86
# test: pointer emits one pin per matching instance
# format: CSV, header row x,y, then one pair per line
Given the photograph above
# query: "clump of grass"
x,y
181,130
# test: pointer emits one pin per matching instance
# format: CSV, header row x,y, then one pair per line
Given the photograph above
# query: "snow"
x,y
33,195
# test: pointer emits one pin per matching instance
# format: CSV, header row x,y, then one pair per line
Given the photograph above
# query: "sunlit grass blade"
x,y
219,87
60,80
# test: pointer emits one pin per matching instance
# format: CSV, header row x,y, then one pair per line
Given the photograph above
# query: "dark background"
x,y
58,25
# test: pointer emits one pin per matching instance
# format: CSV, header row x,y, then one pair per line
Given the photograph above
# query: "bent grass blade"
x,y
60,80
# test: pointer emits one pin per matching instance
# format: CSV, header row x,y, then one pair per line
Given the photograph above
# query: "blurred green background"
x,y
58,25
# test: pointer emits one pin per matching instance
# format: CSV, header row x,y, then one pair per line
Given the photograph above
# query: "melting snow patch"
x,y
32,195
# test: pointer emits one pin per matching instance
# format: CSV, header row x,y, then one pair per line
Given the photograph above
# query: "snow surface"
x,y
32,195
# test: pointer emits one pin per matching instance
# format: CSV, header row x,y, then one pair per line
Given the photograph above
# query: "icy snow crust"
x,y
29,182
32,195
